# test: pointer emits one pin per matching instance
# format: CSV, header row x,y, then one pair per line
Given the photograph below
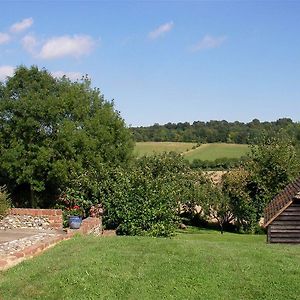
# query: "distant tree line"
x,y
215,131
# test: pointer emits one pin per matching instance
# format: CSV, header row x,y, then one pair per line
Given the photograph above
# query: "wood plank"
x,y
285,235
290,213
285,240
285,230
292,208
286,223
284,226
288,218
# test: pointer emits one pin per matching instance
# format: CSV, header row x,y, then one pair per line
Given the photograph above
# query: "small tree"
x,y
217,205
242,206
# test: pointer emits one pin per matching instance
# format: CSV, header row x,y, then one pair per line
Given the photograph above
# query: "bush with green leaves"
x,y
5,202
145,199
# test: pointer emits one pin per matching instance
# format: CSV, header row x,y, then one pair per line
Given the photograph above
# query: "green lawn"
x,y
199,265
148,148
217,150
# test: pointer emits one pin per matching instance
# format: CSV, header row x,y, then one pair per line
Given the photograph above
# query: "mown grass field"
x,y
148,148
217,150
197,265
204,152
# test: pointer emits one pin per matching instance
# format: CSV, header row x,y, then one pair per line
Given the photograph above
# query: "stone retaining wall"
x,y
33,218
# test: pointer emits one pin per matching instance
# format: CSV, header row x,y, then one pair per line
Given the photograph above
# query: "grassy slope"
x,y
147,148
204,152
217,150
205,265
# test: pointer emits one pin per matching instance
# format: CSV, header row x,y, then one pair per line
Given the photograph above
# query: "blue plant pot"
x,y
75,222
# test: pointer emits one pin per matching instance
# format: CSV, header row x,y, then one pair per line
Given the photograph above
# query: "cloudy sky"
x,y
166,61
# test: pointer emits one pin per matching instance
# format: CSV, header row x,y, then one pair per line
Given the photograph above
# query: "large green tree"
x,y
52,130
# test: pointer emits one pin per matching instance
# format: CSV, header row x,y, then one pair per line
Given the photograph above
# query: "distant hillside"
x,y
215,131
208,152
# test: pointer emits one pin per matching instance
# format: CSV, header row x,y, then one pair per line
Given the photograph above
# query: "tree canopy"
x,y
215,131
52,130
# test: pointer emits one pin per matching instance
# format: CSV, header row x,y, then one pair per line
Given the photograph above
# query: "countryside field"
x,y
148,148
204,152
197,265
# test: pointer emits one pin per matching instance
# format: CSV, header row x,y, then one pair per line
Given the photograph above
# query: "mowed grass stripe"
x,y
203,265
148,148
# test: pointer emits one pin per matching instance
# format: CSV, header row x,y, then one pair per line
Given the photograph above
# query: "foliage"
x,y
235,187
5,202
75,211
189,266
52,130
218,164
217,205
272,165
144,200
215,131
245,191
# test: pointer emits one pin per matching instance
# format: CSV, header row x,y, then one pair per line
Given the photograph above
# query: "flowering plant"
x,y
75,211
96,211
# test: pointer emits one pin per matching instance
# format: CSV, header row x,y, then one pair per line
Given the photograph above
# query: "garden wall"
x,y
33,218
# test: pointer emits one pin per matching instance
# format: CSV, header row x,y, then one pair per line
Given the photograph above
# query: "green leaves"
x,y
143,199
51,129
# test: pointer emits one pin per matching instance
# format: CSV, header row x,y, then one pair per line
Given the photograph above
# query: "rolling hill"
x,y
204,152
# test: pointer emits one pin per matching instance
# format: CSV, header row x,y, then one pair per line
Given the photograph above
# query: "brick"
x,y
30,250
19,254
58,212
27,212
3,263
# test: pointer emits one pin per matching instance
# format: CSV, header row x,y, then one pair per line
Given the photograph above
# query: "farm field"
x,y
148,148
204,152
217,150
197,264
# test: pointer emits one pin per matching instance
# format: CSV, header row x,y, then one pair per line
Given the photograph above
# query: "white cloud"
x,y
21,26
62,46
6,71
4,38
161,30
209,42
29,43
70,75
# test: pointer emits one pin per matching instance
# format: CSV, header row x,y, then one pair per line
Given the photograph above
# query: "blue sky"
x,y
171,61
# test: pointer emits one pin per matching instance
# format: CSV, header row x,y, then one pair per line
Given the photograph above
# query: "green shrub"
x,y
5,202
144,199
